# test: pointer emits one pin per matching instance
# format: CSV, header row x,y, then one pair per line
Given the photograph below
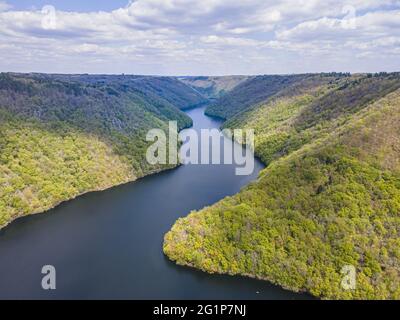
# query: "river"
x,y
108,245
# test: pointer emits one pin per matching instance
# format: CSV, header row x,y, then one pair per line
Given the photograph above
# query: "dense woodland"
x,y
63,135
329,196
249,93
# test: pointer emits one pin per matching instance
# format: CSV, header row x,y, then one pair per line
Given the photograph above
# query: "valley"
x,y
108,245
65,135
325,194
328,199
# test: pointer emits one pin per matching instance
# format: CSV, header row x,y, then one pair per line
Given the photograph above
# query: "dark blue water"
x,y
108,245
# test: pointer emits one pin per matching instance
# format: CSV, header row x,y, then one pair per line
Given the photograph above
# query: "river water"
x,y
108,245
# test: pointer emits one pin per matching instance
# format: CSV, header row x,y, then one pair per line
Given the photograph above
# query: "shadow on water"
x,y
108,245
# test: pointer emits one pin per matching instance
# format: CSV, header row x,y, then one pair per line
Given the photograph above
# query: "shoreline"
x,y
248,277
154,172
44,211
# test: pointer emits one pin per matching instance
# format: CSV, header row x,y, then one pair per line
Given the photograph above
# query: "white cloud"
x,y
374,33
229,41
371,24
4,6
221,35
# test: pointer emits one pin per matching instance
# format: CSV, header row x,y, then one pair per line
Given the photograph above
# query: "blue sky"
x,y
193,37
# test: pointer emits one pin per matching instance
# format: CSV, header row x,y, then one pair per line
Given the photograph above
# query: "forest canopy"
x,y
64,135
328,198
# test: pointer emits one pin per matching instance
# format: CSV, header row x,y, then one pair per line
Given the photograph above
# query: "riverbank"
x,y
108,245
100,189
86,163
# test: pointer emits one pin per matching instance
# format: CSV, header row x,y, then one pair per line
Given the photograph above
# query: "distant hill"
x,y
250,92
214,87
257,90
170,89
328,199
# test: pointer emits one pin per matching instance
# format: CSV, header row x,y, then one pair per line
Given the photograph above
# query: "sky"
x,y
199,37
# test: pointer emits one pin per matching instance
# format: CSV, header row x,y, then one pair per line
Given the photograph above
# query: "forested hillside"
x,y
308,109
249,93
167,89
61,136
329,197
